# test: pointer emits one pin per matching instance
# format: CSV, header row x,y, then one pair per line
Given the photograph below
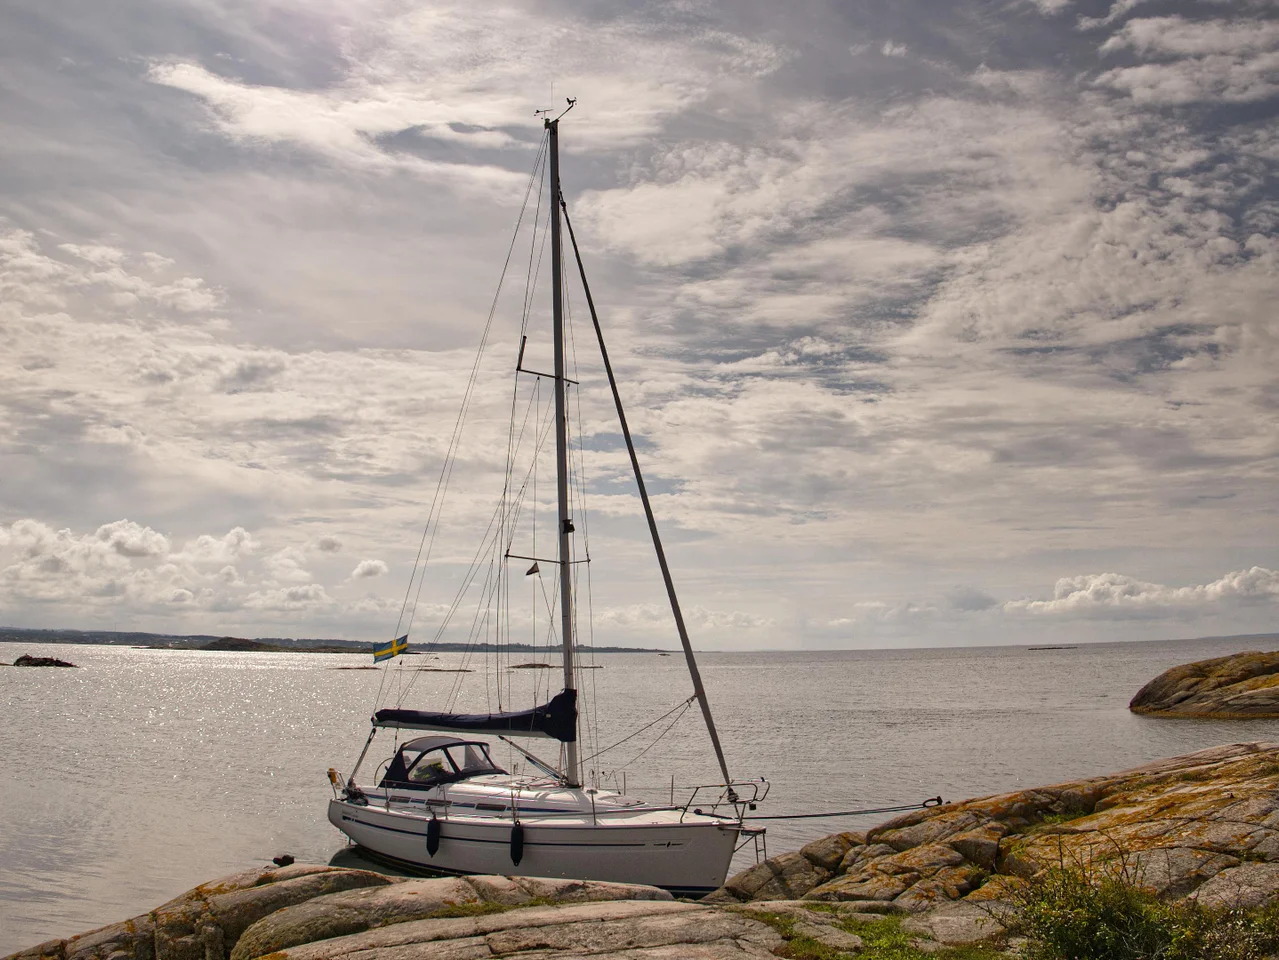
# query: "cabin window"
x,y
431,766
443,763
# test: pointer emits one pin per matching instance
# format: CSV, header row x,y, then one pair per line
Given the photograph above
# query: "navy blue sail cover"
x,y
556,719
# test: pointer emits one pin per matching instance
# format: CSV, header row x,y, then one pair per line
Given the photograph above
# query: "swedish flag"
x,y
398,646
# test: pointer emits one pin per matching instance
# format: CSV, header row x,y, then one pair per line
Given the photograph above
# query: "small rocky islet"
x,y
1203,826
1242,686
27,660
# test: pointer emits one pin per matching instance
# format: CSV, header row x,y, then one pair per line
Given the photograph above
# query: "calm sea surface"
x,y
144,772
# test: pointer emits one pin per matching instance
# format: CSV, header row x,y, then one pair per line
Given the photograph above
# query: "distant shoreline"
x,y
164,641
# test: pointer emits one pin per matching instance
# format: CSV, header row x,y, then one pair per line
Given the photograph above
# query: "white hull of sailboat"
x,y
689,858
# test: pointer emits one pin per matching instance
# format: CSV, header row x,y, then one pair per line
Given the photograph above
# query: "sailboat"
x,y
441,804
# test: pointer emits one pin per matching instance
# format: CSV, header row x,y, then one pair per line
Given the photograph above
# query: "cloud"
x,y
1118,10
1203,61
890,322
1201,80
369,568
120,562
309,596
658,617
1116,596
288,565
970,599
1178,37
219,550
344,130
445,76
30,276
1050,8
881,611
132,570
132,540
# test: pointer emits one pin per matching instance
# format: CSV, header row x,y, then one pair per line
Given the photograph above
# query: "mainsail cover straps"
x,y
556,719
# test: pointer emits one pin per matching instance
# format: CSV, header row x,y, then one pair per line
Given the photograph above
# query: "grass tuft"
x,y
1069,913
884,940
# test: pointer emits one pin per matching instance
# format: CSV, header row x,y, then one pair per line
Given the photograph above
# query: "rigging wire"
x,y
474,571
474,568
530,286
656,740
577,508
441,486
580,490
682,705
491,620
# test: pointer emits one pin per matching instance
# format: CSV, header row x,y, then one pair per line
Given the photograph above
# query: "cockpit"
x,y
431,761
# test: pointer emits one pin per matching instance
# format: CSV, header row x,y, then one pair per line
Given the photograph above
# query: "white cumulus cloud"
x,y
369,568
1114,595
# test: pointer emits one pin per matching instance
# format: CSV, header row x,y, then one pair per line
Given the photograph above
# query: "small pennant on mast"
x,y
532,570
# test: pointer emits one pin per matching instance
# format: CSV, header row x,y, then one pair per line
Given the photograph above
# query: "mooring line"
x,y
930,802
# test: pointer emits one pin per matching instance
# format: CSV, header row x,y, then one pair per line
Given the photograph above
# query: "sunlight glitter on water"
x,y
145,772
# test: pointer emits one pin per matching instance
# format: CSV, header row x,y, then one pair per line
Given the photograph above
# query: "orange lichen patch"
x,y
949,883
997,887
926,859
873,887
1259,683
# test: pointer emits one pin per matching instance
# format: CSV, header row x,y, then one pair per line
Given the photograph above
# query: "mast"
x,y
561,438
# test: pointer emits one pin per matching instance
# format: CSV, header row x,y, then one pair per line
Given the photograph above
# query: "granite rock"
x,y
785,877
1243,887
956,924
205,922
1242,685
652,929
1174,826
828,852
354,911
27,660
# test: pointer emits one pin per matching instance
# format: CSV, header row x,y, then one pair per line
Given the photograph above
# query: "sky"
x,y
937,323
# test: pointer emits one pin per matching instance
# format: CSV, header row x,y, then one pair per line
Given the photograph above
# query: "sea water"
x,y
146,772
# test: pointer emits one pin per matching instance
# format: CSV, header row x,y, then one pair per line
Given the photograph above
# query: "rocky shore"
x,y
934,882
306,912
1204,825
1240,686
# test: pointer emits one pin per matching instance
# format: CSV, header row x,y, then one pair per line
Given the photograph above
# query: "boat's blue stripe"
x,y
527,843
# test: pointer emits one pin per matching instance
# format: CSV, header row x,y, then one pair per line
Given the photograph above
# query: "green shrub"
x,y
1071,913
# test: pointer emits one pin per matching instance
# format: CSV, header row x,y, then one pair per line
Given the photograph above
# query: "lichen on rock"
x,y
1207,822
1242,685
